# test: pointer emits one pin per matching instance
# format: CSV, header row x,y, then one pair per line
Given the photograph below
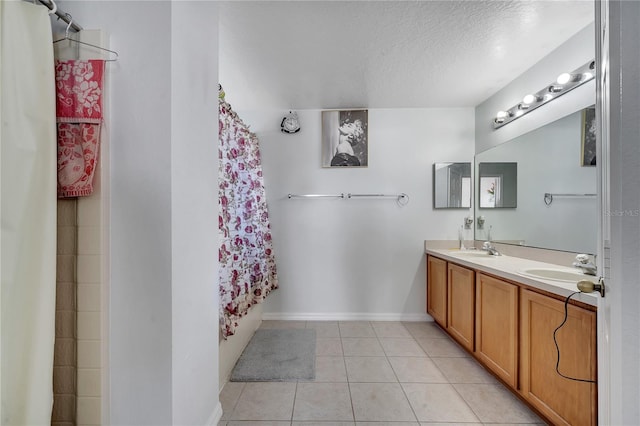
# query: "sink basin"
x,y
472,253
556,275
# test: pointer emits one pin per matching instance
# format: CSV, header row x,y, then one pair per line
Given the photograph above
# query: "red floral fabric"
x,y
247,263
79,88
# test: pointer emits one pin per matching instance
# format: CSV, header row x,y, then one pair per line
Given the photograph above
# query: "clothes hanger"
x,y
66,37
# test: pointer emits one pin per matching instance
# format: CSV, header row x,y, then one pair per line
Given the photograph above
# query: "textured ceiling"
x,y
385,54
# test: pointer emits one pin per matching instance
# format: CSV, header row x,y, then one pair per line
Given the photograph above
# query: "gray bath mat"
x,y
275,355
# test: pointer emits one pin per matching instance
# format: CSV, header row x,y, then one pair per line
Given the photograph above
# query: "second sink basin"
x,y
556,275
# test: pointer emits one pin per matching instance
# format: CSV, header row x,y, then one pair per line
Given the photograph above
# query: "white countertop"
x,y
510,267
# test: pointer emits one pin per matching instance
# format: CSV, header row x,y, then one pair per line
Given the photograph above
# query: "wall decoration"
x,y
588,150
290,123
345,138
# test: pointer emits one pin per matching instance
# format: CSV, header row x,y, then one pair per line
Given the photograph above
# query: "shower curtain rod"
x,y
61,15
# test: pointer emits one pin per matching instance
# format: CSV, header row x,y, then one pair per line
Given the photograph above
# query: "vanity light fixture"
x,y
563,84
501,116
563,78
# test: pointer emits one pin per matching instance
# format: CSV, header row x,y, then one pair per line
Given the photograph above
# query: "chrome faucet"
x,y
489,248
583,262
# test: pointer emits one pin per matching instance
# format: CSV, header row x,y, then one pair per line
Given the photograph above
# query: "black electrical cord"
x,y
555,340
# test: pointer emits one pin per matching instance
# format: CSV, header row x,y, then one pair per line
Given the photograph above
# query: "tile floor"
x,y
374,374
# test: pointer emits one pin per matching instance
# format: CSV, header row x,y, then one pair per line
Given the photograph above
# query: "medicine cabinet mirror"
x,y
497,185
452,185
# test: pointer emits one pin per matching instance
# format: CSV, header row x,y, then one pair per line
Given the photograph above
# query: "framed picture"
x,y
345,141
588,150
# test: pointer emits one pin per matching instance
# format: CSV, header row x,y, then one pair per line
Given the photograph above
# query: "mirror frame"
x,y
435,185
513,205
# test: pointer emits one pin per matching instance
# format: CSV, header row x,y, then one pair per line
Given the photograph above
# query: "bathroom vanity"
x,y
506,319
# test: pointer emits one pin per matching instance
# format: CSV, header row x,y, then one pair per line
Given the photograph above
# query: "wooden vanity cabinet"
x,y
563,401
437,290
509,329
461,304
497,327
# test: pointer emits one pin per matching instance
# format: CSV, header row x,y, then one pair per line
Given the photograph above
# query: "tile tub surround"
x,y
65,380
507,267
413,373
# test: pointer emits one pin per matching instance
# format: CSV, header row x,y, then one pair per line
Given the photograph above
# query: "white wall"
x,y
572,54
620,307
194,211
163,133
358,258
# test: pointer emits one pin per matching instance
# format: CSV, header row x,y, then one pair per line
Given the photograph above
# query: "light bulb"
x,y
529,99
501,114
555,89
523,106
563,78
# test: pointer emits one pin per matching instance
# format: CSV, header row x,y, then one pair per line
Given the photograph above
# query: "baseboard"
x,y
344,316
215,417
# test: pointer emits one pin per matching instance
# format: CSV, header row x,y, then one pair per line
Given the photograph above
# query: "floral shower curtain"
x,y
247,264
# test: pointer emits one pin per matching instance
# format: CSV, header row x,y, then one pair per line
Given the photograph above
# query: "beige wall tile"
x,y
65,296
89,411
89,382
66,239
64,408
89,297
89,326
64,380
66,268
67,212
89,354
89,269
64,353
89,211
65,324
89,240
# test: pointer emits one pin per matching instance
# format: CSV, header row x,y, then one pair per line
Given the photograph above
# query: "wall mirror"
x,y
550,161
452,185
497,185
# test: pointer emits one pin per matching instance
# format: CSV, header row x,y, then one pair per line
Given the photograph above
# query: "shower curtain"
x,y
247,263
28,213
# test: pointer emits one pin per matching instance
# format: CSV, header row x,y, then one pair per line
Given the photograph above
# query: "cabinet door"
x,y
563,401
497,327
437,289
461,305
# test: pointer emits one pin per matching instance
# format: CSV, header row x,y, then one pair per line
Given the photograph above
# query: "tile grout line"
x,y
244,385
415,416
346,375
293,407
295,393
